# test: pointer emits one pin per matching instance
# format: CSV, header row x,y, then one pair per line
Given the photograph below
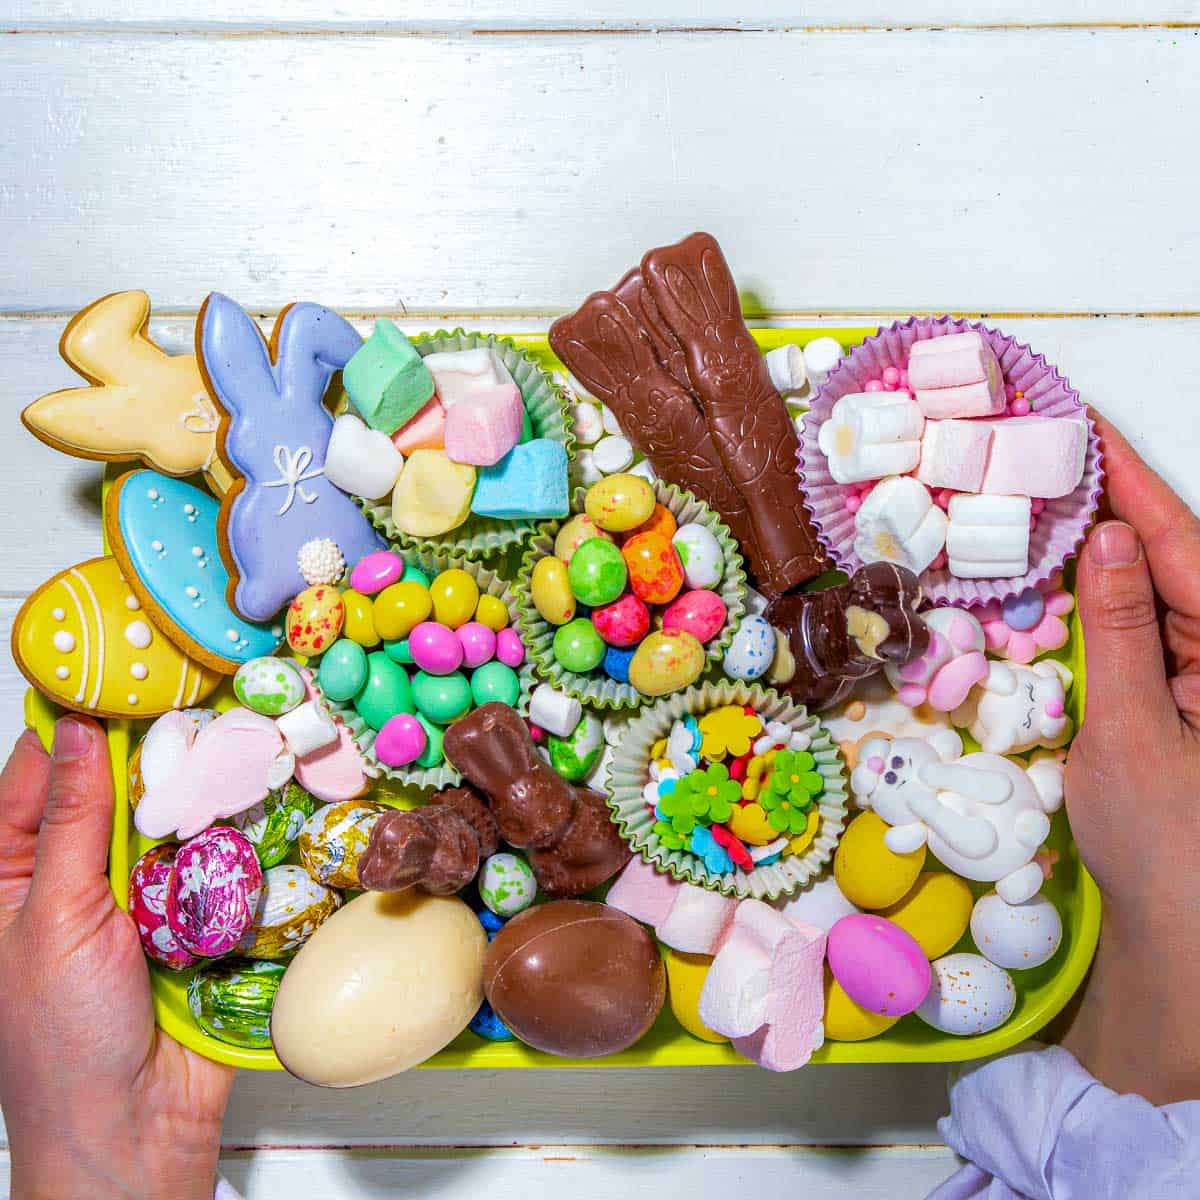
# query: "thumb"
x,y
72,845
1126,673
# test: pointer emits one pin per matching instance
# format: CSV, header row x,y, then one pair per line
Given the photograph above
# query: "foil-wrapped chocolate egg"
x,y
334,838
232,1001
213,891
291,905
148,907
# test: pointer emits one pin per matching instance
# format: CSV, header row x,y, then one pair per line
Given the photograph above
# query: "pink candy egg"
x,y
478,643
213,891
879,964
375,571
509,648
401,740
700,613
624,622
435,649
148,907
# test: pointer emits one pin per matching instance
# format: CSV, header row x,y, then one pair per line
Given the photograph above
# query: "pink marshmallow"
x,y
954,454
483,426
684,917
426,431
643,893
1035,456
951,360
982,399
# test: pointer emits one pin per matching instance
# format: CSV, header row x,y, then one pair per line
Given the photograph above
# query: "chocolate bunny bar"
x,y
633,293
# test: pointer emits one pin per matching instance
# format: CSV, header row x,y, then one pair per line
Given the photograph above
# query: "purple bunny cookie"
x,y
273,435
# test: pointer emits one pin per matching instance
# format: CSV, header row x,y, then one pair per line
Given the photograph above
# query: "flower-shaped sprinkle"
x,y
710,793
681,748
790,791
668,837
734,848
662,785
728,730
1027,624
798,845
705,846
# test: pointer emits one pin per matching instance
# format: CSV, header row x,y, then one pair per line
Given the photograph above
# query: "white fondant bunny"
x,y
1017,708
983,816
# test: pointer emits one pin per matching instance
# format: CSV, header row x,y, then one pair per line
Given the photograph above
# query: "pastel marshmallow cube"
x,y
899,523
528,482
554,711
458,374
968,400
361,461
387,380
988,536
426,431
697,920
954,454
1035,456
870,435
956,375
482,427
786,367
643,893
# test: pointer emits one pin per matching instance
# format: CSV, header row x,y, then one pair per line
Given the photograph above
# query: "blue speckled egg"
x,y
616,663
752,649
487,1025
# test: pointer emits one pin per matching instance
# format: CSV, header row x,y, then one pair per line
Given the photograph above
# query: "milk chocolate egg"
x,y
575,978
384,983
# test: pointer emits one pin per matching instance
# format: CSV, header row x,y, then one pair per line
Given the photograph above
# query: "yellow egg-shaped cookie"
x,y
869,874
936,911
686,974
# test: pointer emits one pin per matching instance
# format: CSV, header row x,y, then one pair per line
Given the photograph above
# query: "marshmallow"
x,y
458,374
697,920
530,481
585,465
899,522
988,536
612,454
954,454
956,375
609,418
586,423
426,431
361,461
644,469
870,435
307,729
386,379
554,711
643,893
786,367
821,355
820,904
484,424
1035,456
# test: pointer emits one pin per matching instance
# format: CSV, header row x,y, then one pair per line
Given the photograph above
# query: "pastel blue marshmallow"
x,y
530,481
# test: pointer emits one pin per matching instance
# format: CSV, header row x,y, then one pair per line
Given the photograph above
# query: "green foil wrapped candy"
x,y
231,1001
273,826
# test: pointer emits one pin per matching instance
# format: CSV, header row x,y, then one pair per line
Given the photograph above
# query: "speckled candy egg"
x,y
869,874
655,572
271,686
1016,936
751,650
624,622
574,756
661,520
596,573
213,891
314,619
574,533
700,553
935,910
967,995
577,646
334,838
232,1001
701,613
666,662
343,670
148,908
880,965
619,502
435,648
506,884
273,826
551,591
291,905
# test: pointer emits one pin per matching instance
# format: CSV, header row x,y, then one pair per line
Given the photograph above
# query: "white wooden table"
x,y
490,163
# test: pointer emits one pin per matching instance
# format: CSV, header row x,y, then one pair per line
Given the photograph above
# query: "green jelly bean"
x,y
414,575
432,755
399,652
343,670
526,427
385,693
495,681
597,573
577,645
442,698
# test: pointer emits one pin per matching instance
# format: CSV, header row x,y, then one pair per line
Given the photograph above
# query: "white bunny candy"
x,y
1017,708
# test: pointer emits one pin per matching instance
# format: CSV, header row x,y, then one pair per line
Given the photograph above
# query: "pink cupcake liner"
x,y
1063,523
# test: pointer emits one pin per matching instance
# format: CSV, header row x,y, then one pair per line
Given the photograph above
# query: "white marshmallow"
x,y
870,435
610,420
696,920
361,461
988,536
554,711
645,470
458,373
585,466
786,365
578,388
307,729
612,454
821,355
898,522
586,423
756,603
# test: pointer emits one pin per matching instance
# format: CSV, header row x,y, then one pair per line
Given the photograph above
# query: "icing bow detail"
x,y
293,471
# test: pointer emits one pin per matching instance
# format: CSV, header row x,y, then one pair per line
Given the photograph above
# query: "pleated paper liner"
x,y
629,773
548,407
597,689
1063,523
413,776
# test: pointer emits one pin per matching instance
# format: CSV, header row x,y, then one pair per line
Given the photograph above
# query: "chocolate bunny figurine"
x,y
633,293
848,632
567,835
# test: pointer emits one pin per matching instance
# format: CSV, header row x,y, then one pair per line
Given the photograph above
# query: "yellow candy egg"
x,y
455,595
665,661
868,873
686,974
574,533
749,823
552,595
314,619
400,608
936,911
490,611
360,619
846,1021
619,503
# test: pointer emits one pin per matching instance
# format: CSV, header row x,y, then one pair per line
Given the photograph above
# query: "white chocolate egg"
x,y
1016,936
968,995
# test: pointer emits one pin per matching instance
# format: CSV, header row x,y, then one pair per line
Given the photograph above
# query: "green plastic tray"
x,y
1041,993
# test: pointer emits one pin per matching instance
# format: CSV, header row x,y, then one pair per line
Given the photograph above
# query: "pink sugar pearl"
x,y
891,378
536,732
873,385
853,504
1020,407
943,498
1037,506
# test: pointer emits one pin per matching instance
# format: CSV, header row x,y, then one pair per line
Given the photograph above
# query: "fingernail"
x,y
72,740
1117,544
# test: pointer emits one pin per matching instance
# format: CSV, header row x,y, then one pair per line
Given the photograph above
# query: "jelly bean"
x,y
375,571
442,698
624,622
360,619
314,619
385,693
455,595
435,648
574,533
655,572
478,643
415,575
495,681
701,556
399,651
551,591
666,662
616,663
432,755
620,502
400,608
661,520
597,572
700,613
400,741
752,649
490,611
510,650
270,686
343,670
577,646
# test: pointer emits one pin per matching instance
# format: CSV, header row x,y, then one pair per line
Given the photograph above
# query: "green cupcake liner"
x,y
413,776
548,406
597,689
629,773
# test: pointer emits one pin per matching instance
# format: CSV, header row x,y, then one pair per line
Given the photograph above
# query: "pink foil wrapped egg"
x,y
401,740
879,965
148,907
624,622
213,891
510,650
478,643
700,612
434,648
375,571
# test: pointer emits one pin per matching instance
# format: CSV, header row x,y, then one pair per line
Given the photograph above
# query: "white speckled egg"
x,y
968,995
1016,936
700,553
750,653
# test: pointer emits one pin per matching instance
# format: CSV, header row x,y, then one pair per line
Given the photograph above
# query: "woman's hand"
x,y
1133,784
98,1102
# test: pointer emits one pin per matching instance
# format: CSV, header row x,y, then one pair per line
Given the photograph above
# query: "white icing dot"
x,y
137,633
156,544
139,670
231,634
62,672
64,643
197,551
189,508
191,592
131,602
58,614
132,698
153,493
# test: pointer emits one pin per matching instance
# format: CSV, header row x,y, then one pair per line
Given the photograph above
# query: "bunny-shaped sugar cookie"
x,y
1017,708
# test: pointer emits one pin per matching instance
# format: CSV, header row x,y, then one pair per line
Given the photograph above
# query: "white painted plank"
x,y
901,1173
1019,170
